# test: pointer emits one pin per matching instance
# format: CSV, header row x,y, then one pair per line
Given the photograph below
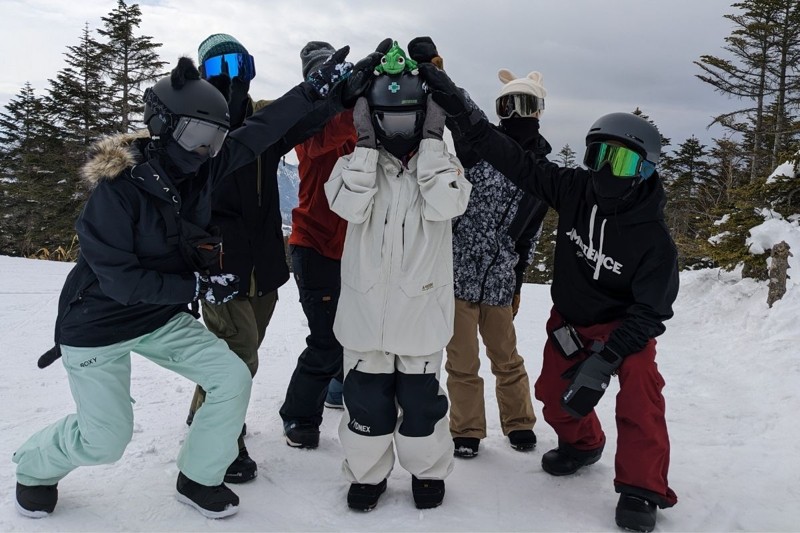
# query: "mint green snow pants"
x,y
102,427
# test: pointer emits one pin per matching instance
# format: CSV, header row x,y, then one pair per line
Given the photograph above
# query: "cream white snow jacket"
x,y
397,264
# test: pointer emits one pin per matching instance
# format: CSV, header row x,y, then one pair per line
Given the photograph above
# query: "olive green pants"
x,y
242,324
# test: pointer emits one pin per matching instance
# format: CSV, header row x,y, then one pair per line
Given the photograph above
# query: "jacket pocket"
x,y
360,280
418,286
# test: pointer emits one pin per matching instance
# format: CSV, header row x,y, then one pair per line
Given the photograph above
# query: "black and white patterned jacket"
x,y
494,240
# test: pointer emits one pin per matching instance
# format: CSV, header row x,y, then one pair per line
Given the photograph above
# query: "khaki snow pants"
x,y
465,386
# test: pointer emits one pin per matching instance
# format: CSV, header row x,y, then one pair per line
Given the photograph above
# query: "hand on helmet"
x,y
362,120
433,127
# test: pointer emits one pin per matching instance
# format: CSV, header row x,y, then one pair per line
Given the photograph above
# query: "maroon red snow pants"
x,y
642,459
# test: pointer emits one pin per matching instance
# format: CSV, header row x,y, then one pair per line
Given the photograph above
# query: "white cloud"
x,y
596,57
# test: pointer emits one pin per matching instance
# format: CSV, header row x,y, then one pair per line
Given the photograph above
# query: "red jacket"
x,y
313,223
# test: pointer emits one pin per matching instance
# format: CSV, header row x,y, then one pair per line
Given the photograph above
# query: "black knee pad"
x,y
423,406
370,401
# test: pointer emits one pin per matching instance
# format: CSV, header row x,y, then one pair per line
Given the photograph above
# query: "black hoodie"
x,y
620,265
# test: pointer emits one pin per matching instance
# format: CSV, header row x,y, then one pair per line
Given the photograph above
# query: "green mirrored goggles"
x,y
624,162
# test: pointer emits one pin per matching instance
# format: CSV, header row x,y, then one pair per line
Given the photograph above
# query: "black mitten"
x,y
445,93
217,289
590,380
238,99
422,49
361,75
359,79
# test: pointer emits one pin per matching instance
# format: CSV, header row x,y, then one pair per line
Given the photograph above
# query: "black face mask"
x,y
613,193
610,187
187,163
399,146
523,130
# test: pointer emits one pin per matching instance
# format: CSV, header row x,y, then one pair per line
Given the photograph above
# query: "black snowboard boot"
x,y
301,434
242,469
36,501
522,440
635,513
364,497
213,502
428,493
566,460
466,447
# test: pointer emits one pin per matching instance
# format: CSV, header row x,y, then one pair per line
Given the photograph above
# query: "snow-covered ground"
x,y
733,397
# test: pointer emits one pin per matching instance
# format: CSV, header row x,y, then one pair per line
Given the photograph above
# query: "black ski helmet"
x,y
397,104
632,130
196,99
397,91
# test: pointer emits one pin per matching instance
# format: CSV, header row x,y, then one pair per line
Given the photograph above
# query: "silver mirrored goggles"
x,y
406,124
521,104
194,134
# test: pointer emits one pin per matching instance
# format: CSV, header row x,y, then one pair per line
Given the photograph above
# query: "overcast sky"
x,y
596,56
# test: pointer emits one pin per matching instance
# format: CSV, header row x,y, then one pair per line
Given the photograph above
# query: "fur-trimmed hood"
x,y
111,155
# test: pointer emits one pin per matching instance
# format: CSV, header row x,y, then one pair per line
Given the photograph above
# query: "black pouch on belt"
x,y
567,341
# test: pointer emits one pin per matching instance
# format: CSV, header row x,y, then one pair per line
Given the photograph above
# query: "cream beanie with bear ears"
x,y
530,84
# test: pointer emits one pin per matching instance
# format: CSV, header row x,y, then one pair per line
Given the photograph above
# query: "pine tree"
x,y
131,63
745,76
685,173
77,100
783,128
36,199
566,157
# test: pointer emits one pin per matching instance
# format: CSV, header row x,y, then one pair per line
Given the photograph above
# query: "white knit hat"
x,y
530,84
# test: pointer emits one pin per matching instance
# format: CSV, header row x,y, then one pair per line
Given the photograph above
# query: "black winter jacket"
x,y
131,277
246,208
608,266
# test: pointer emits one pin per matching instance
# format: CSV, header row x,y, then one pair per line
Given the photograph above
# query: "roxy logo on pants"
x,y
89,362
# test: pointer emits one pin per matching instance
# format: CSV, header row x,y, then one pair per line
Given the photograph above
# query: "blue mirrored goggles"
x,y
624,162
231,65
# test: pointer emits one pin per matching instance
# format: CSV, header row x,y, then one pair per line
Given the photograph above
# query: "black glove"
x,y
216,289
361,75
362,120
445,93
433,127
331,72
385,45
237,100
422,49
590,380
